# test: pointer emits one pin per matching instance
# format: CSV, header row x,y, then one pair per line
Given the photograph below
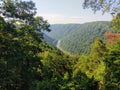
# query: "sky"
x,y
67,11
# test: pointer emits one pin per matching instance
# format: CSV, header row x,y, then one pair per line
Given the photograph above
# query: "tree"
x,y
56,70
96,60
20,43
93,65
81,79
104,5
112,6
115,23
18,9
112,61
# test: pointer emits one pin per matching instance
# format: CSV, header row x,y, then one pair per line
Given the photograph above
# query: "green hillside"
x,y
77,38
49,40
59,31
80,40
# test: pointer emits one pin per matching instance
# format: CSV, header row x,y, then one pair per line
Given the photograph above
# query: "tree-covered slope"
x,y
58,31
80,40
77,38
49,40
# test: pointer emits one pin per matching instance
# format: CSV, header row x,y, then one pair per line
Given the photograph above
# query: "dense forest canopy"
x,y
28,63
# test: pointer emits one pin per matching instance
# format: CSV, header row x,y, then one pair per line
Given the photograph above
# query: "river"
x,y
58,46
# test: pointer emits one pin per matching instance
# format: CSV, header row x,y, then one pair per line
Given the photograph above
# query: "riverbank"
x,y
58,46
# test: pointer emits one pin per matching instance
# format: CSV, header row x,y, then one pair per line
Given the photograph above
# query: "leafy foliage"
x,y
104,5
19,45
93,64
112,61
112,6
115,23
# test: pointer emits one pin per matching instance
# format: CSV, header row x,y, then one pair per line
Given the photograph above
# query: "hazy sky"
x,y
67,11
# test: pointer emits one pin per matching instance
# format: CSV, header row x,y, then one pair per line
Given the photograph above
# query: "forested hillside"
x,y
59,31
77,38
49,40
79,41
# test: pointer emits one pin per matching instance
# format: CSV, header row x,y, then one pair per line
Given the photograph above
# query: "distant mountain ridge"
x,y
77,38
